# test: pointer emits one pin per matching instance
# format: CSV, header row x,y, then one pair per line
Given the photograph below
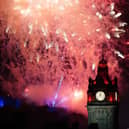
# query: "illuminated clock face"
x,y
100,95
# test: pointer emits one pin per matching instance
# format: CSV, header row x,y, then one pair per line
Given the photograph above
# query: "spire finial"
x,y
103,51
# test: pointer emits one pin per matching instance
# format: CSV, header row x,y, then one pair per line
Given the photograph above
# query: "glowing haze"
x,y
54,46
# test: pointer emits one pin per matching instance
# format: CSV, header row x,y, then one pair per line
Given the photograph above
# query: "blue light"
x,y
53,103
18,103
1,103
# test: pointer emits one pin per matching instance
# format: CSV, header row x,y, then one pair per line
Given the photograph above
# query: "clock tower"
x,y
103,99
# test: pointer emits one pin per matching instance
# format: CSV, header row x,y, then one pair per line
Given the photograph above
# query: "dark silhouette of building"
x,y
103,100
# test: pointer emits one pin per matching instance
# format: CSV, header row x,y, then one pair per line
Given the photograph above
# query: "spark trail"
x,y
58,88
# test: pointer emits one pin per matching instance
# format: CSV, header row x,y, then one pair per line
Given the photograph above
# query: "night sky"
x,y
49,49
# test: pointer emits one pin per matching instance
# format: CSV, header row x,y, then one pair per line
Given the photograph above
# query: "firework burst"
x,y
50,38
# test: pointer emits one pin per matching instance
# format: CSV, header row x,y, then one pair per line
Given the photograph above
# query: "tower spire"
x,y
102,98
103,51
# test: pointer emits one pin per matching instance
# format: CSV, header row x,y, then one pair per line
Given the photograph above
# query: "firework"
x,y
51,38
